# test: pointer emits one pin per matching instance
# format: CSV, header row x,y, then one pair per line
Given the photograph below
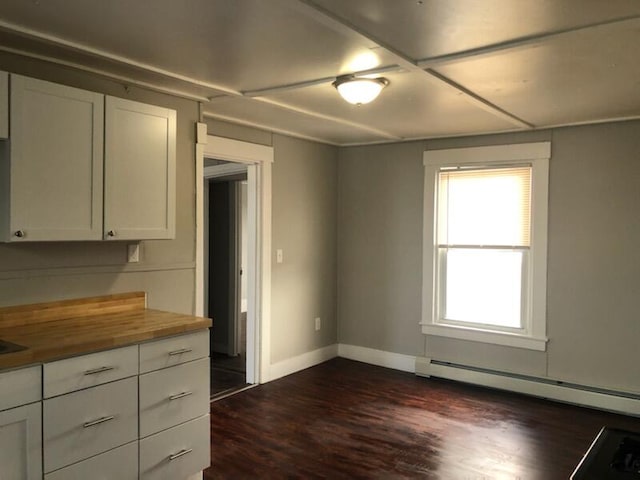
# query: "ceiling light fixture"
x,y
359,90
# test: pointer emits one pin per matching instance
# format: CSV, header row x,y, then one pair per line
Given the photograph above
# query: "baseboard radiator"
x,y
614,401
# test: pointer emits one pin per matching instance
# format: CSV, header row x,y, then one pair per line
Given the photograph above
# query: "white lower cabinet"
x,y
118,464
137,412
85,423
176,453
21,443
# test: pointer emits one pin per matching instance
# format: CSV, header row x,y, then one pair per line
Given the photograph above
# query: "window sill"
x,y
484,336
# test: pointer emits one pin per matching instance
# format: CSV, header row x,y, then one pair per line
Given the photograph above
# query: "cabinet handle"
x,y
180,395
19,233
98,421
111,233
93,371
180,454
180,352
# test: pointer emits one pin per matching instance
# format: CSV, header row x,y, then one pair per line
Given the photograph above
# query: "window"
x,y
485,244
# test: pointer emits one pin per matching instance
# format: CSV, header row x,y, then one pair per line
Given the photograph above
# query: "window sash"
x,y
484,205
441,294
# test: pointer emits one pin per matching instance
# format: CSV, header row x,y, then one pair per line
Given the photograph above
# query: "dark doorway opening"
x,y
227,204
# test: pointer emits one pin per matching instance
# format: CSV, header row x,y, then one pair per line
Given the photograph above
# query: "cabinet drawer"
x,y
173,351
90,370
176,453
82,424
173,395
118,464
19,387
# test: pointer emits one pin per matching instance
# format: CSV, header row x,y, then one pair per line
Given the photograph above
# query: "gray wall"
x,y
380,247
304,227
304,224
593,263
49,271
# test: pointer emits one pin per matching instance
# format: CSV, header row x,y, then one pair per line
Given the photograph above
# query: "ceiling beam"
x,y
319,81
268,128
337,23
340,121
514,44
319,116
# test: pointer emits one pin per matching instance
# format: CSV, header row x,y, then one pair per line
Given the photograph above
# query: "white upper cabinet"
x,y
4,105
140,163
51,168
75,167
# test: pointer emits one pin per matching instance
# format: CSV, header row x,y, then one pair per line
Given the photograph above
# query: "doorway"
x,y
257,161
227,248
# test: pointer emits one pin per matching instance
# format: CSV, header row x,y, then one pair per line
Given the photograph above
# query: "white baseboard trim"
x,y
573,394
381,358
306,360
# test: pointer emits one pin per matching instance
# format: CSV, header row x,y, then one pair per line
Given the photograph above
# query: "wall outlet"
x,y
318,324
279,256
133,253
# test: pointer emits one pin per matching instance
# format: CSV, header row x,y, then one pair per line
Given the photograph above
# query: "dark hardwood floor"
x,y
227,374
345,419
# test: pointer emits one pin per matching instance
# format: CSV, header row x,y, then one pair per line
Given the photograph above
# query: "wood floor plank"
x,y
345,419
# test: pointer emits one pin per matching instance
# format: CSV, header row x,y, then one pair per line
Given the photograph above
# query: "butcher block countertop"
x,y
55,330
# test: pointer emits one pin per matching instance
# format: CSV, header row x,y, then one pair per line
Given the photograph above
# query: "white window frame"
x,y
533,334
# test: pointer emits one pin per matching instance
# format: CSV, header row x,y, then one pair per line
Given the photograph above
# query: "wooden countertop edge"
x,y
66,328
39,355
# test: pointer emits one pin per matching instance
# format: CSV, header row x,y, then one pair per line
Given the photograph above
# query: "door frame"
x,y
258,159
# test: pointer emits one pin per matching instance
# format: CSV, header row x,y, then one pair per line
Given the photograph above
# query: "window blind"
x,y
485,207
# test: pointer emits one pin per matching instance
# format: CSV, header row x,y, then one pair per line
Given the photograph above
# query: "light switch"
x,y
133,253
279,256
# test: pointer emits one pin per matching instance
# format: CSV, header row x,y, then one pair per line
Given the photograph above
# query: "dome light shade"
x,y
359,91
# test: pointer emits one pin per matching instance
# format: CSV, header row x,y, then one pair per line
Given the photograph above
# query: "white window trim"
x,y
537,155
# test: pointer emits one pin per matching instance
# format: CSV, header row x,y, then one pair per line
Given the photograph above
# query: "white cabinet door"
x,y
56,163
21,443
140,178
4,105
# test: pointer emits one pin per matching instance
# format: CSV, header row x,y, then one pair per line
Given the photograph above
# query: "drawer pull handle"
x,y
180,352
179,454
180,395
99,370
98,421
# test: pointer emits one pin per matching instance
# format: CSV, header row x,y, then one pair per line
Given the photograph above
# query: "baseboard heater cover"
x,y
604,399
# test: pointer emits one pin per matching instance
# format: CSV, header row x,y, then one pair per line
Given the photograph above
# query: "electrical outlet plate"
x,y
318,324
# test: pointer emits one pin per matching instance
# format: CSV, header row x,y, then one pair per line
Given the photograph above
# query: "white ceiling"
x,y
456,67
